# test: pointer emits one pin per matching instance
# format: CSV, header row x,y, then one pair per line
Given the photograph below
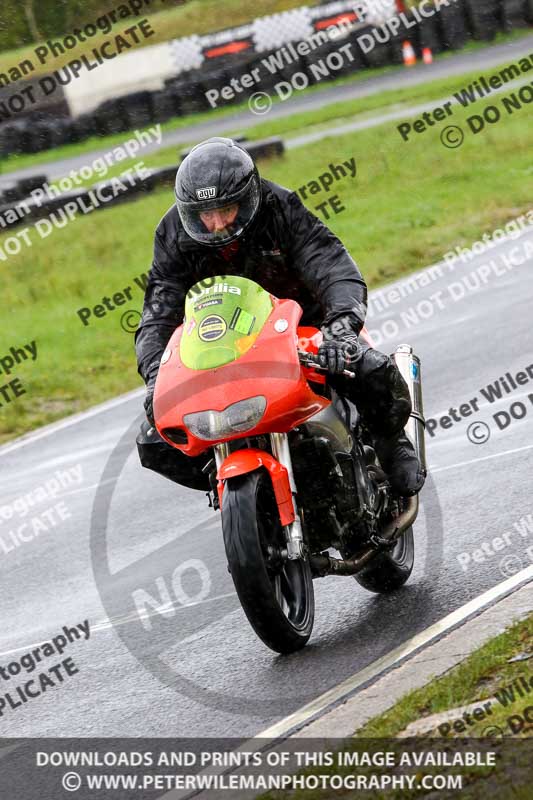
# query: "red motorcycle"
x,y
296,473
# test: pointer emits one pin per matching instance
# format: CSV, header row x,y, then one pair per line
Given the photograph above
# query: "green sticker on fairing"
x,y
223,318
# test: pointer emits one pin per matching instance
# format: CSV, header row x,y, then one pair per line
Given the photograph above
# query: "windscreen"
x,y
222,320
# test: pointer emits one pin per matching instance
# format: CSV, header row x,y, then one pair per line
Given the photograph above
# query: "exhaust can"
x,y
409,365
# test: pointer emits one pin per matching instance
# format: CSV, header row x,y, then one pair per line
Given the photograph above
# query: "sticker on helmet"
x,y
206,194
212,328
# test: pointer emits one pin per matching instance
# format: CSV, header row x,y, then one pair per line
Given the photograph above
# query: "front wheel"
x,y
276,594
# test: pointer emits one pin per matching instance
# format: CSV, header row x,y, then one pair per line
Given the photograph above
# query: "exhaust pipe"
x,y
324,564
409,365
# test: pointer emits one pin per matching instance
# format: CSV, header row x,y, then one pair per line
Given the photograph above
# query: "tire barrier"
x,y
18,192
379,56
27,185
109,118
514,14
137,110
239,139
453,29
83,127
336,65
165,105
430,35
483,18
11,194
448,29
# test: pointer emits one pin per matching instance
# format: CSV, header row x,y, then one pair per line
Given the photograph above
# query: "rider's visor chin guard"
x,y
236,418
247,200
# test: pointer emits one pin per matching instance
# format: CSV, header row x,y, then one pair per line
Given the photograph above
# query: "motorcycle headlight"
x,y
236,418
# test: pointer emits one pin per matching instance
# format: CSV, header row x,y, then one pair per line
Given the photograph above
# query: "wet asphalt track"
x,y
199,670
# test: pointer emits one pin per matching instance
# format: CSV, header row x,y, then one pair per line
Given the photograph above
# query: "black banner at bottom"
x,y
297,768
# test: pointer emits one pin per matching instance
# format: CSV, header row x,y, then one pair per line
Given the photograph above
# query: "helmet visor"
x,y
219,221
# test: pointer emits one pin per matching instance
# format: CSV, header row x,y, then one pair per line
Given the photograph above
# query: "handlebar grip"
x,y
312,360
310,357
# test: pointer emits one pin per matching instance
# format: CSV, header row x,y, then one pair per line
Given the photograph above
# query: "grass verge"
x,y
487,672
410,203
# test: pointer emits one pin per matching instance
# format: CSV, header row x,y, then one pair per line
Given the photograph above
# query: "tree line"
x,y
23,22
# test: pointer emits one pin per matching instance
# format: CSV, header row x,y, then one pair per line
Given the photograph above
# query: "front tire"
x,y
276,594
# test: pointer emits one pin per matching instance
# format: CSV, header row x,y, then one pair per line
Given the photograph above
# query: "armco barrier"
x,y
17,192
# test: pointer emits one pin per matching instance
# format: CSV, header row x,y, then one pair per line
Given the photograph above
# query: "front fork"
x,y
281,452
293,532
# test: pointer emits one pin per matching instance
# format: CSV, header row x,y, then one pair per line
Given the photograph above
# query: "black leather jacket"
x,y
287,250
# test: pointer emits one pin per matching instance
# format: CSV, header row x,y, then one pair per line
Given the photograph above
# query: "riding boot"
x,y
398,459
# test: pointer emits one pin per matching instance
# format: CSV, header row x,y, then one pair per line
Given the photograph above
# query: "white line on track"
x,y
55,427
106,623
164,609
433,470
368,675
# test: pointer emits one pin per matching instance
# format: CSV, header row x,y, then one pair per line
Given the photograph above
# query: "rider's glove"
x,y
339,354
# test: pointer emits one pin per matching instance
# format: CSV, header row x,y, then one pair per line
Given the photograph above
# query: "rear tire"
x,y
277,596
389,570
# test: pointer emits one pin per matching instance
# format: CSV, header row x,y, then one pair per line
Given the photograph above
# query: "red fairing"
x,y
309,340
270,368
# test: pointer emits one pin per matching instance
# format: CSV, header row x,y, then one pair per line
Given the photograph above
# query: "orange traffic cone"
x,y
427,55
409,57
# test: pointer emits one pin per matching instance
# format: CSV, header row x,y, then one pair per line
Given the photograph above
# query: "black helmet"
x,y
215,174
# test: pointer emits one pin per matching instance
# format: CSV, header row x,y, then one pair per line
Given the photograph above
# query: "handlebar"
x,y
310,360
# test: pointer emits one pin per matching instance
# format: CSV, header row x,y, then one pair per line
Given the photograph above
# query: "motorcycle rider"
x,y
229,221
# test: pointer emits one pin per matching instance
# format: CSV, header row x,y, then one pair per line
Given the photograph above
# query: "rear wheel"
x,y
390,569
275,593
